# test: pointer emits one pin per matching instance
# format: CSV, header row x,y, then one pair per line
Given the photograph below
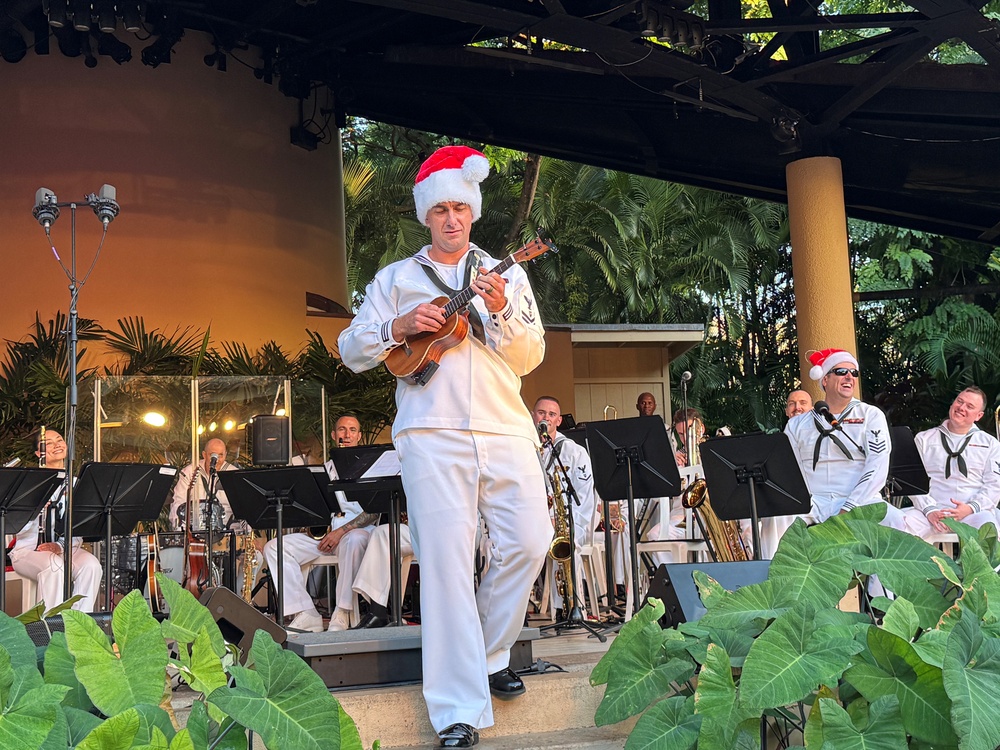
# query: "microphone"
x,y
543,431
823,408
686,376
13,462
45,210
212,462
104,204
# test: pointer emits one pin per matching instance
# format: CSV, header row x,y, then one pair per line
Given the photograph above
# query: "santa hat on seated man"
x,y
451,174
824,361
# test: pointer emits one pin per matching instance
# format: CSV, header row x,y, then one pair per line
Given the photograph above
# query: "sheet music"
x,y
386,465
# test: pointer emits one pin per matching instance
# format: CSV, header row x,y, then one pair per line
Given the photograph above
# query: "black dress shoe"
x,y
506,684
459,735
371,620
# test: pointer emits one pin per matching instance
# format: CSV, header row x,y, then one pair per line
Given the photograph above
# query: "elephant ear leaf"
x,y
284,701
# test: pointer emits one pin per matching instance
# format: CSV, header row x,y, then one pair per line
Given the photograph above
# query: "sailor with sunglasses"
x,y
843,451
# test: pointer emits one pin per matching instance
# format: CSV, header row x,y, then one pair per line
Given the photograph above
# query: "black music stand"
x,y
375,494
23,492
110,499
907,475
276,498
632,457
754,476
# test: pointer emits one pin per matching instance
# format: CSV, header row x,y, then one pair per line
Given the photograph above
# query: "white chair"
x,y
332,561
29,590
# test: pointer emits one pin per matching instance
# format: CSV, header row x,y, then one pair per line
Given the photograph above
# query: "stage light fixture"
x,y
228,425
81,15
105,12
55,11
45,210
279,413
158,53
131,16
651,21
154,419
117,50
12,46
88,53
668,31
212,426
201,429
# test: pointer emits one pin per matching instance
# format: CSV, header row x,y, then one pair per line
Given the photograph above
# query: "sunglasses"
x,y
842,371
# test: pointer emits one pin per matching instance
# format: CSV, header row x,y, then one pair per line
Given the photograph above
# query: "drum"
x,y
218,517
171,562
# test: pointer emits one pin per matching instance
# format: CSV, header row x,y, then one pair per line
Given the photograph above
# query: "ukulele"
x,y
417,358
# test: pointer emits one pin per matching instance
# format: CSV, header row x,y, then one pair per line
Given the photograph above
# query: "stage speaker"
x,y
238,620
675,587
41,631
269,440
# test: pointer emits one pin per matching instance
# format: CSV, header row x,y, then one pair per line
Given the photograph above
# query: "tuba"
x,y
723,536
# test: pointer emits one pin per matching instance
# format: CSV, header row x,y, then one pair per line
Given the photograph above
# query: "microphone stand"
x,y
47,211
572,613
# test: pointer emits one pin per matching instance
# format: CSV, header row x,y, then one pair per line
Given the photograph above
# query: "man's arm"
x,y
877,446
989,494
370,336
515,333
332,538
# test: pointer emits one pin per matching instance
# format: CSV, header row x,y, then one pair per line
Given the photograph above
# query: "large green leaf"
x,y
972,679
116,733
18,644
810,573
759,601
60,670
792,658
636,628
884,730
284,701
188,617
28,714
813,734
640,677
669,725
116,683
81,723
978,572
901,619
893,667
203,670
715,700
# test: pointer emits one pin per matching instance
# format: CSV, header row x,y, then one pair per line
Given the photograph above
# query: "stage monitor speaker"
x,y
269,440
41,631
238,620
675,587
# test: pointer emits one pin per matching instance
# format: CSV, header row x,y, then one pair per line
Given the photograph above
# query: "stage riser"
x,y
384,656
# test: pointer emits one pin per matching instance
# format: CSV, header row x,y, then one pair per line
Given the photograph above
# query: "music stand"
x,y
632,457
110,499
23,492
367,478
275,498
754,476
907,475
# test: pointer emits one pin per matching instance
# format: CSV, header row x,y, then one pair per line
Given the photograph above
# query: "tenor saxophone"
x,y
561,549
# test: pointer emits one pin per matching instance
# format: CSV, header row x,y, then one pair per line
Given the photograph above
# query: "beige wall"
x,y
615,376
554,377
223,222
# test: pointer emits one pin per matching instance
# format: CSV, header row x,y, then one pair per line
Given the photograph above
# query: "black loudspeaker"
x,y
269,440
675,587
41,631
238,620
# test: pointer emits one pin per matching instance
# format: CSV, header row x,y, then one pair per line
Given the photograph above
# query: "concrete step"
x,y
555,703
593,738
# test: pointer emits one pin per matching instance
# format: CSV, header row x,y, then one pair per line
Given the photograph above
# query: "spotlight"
x,y
212,426
683,33
668,32
131,16
228,425
159,51
105,12
81,14
651,20
280,413
201,429
12,46
45,210
154,419
68,40
117,50
55,11
104,204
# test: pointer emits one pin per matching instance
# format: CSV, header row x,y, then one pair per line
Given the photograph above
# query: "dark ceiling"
x,y
919,141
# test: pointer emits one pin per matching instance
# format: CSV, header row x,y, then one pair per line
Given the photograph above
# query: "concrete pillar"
x,y
339,221
821,268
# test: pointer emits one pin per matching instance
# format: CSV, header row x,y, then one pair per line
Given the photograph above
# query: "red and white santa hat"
x,y
825,360
451,173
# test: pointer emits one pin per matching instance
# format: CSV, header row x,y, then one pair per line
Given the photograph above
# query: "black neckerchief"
x,y
957,455
824,433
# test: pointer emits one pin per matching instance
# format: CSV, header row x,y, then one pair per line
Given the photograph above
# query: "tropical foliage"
x,y
88,691
922,675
